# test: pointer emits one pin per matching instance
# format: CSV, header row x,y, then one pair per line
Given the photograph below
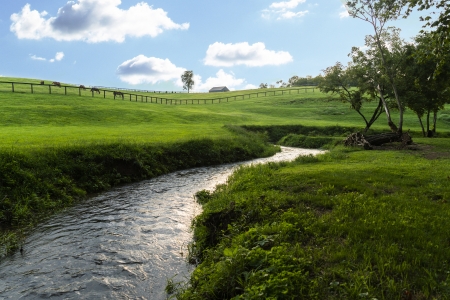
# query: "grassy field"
x,y
349,224
29,120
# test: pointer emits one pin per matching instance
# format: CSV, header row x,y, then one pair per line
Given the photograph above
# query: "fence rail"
x,y
116,93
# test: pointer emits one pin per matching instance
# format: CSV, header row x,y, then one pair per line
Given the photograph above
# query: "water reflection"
x,y
123,244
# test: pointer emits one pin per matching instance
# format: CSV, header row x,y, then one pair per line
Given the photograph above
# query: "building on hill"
x,y
219,89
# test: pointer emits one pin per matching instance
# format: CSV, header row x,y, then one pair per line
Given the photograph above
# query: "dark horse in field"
x,y
57,83
94,89
116,93
82,87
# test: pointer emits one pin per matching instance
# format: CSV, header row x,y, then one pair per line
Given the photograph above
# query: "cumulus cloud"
x,y
256,55
284,10
93,21
142,69
153,70
222,79
58,56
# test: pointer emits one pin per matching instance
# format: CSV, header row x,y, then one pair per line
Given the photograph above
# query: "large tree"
x,y
377,13
188,80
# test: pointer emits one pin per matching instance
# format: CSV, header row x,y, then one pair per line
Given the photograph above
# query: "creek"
x,y
122,244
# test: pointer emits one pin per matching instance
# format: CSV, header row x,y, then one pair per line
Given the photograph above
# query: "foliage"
x,y
378,13
188,80
439,44
338,80
425,90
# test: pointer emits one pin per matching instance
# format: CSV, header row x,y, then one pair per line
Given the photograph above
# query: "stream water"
x,y
122,244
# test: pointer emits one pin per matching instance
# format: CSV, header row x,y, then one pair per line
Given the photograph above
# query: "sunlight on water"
x,y
122,244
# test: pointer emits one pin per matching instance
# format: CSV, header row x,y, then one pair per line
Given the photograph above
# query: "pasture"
x,y
34,120
349,224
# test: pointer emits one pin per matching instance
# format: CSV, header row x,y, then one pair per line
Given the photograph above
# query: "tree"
x,y
378,13
426,91
188,80
440,29
337,80
263,86
370,66
292,81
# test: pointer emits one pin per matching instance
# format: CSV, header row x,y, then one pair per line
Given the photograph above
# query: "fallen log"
x,y
383,138
369,142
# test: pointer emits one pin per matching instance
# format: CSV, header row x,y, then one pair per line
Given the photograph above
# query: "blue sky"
x,y
148,44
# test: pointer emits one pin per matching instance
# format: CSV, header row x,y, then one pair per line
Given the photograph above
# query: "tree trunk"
x,y
421,125
376,114
380,139
391,79
386,109
434,122
429,133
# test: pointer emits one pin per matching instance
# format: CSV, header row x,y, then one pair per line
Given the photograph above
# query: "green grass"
x,y
34,120
348,224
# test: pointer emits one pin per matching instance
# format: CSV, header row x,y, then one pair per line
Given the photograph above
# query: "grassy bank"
x,y
348,224
38,182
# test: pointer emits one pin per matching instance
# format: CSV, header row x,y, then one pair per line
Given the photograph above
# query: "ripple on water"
x,y
122,244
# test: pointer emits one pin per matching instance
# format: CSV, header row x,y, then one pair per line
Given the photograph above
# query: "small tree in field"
x,y
188,80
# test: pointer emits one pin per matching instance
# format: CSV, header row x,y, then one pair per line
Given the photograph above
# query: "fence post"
x,y
50,89
65,90
104,94
79,91
31,88
12,83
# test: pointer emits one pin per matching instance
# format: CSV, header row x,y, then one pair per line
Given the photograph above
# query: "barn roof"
x,y
218,88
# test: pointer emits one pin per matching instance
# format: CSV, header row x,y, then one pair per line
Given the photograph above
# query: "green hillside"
x,y
42,119
349,224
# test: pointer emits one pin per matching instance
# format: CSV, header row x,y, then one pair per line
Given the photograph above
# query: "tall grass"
x,y
348,224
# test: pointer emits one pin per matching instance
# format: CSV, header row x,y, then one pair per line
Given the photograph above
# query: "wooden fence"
x,y
36,88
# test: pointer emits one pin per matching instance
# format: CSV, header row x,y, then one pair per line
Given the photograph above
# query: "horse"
x,y
82,87
94,89
57,83
117,94
42,82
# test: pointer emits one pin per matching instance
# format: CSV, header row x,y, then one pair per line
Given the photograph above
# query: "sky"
x,y
148,44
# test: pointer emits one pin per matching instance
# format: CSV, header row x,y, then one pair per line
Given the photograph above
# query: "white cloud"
x,y
93,21
58,56
250,87
256,55
287,4
34,57
290,14
284,10
222,79
344,12
142,69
